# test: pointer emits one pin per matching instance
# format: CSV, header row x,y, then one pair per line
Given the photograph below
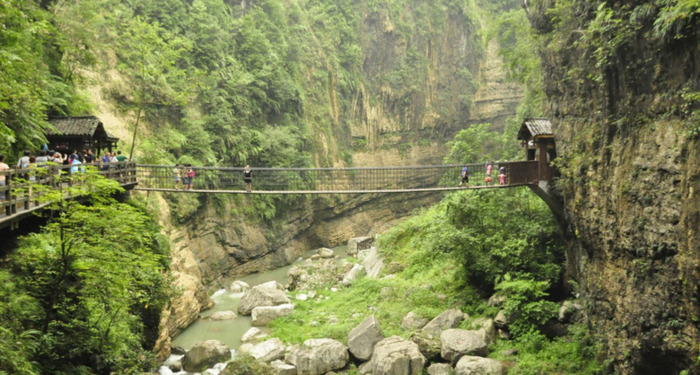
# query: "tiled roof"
x,y
84,125
533,127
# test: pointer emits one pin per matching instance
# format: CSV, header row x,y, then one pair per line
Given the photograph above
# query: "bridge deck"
x,y
365,180
23,198
377,191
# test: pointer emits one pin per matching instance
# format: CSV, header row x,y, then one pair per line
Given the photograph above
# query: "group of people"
x,y
30,163
488,180
183,174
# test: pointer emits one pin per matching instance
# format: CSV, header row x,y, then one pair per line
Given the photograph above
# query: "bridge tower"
x,y
537,137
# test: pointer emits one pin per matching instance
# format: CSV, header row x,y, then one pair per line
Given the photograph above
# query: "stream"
x,y
230,332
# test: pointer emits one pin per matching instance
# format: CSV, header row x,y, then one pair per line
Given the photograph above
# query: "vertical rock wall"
x,y
620,94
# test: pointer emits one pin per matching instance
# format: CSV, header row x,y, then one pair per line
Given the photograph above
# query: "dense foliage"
x,y
84,296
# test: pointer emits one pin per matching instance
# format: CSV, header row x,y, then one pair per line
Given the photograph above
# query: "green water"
x,y
230,331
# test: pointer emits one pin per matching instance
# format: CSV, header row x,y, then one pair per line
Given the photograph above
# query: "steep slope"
x,y
623,81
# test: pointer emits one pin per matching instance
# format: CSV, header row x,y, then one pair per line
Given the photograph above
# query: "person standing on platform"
x,y
248,178
3,168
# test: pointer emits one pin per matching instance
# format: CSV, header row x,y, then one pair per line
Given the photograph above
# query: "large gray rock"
x,y
447,319
355,272
413,321
266,351
358,243
281,368
373,263
440,369
272,284
457,343
487,329
325,252
204,355
263,315
470,365
223,315
428,345
365,368
253,334
361,339
396,356
318,356
238,286
261,296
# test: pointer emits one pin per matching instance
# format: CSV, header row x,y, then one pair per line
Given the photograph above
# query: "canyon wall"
x,y
623,97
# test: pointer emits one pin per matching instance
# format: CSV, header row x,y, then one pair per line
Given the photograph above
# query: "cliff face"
x,y
624,100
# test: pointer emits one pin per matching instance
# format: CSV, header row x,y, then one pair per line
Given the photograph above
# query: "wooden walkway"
x,y
23,187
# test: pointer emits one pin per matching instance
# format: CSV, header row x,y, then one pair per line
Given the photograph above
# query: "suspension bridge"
x,y
17,199
23,189
364,180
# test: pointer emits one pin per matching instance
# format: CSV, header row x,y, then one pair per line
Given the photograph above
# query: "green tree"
x,y
26,83
476,144
148,56
98,274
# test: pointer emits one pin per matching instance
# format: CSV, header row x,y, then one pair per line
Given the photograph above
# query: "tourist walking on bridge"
x,y
187,176
176,176
248,178
488,179
465,176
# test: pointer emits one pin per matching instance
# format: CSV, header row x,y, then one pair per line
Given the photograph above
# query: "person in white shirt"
x,y
3,167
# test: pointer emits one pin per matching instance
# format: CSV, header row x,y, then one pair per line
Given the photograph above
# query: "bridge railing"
x,y
162,177
23,187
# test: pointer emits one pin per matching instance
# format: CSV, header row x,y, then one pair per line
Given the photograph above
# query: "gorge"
x,y
291,83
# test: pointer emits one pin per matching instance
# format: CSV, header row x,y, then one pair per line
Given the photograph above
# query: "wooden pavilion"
x,y
537,137
80,133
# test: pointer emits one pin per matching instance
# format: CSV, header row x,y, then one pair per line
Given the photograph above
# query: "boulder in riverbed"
x,y
223,315
261,296
266,351
253,334
204,355
238,286
263,315
318,356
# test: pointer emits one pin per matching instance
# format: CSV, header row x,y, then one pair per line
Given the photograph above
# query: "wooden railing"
x,y
22,192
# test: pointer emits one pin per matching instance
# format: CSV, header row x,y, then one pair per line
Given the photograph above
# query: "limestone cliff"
x,y
623,98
